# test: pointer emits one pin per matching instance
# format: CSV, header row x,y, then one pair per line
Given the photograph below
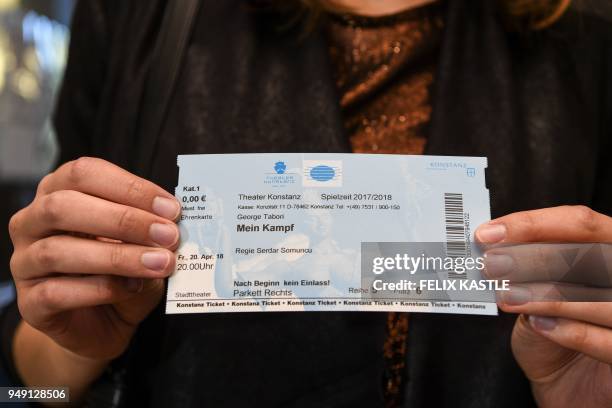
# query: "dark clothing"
x,y
538,105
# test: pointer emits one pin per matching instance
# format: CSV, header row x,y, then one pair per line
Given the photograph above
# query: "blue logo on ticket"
x,y
330,232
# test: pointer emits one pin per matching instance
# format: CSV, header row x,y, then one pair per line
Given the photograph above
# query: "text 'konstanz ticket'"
x,y
330,232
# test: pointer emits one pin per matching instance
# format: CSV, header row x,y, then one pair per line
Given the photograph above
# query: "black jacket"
x,y
538,105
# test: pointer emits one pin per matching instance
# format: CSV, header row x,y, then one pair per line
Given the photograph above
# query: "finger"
x,y
556,224
520,294
55,295
538,356
586,264
134,309
73,255
102,179
599,313
73,211
592,340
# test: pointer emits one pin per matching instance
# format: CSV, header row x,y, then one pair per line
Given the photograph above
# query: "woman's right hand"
x,y
91,252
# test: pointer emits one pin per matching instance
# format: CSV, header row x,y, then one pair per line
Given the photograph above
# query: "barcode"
x,y
456,245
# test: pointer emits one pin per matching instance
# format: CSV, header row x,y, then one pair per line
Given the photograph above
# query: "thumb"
x,y
538,356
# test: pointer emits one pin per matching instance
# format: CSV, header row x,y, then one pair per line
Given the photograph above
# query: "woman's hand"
x,y
564,347
91,252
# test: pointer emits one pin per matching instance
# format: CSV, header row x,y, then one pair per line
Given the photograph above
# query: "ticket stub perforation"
x,y
305,232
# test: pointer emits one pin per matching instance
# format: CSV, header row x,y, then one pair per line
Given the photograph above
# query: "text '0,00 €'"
x,y
187,199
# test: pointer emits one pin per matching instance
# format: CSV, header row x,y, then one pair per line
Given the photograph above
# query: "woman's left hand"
x,y
564,347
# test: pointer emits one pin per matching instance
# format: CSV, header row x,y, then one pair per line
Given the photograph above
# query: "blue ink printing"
x,y
322,173
280,167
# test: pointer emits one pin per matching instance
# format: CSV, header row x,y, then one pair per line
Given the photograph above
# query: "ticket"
x,y
330,232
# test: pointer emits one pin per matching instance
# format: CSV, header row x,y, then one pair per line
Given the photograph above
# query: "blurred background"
x,y
34,39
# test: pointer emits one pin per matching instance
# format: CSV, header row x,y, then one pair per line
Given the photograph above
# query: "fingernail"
x,y
166,207
541,323
164,234
156,261
491,233
498,265
134,285
516,296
